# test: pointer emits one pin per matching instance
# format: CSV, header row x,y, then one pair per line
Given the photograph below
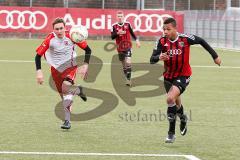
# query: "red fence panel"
x,y
98,21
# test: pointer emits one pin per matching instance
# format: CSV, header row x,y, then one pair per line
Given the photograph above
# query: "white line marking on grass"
x,y
189,157
15,61
193,66
225,67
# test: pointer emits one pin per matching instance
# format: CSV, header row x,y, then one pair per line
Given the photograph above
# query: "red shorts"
x,y
68,74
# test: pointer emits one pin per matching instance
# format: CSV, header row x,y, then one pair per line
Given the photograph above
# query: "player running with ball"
x,y
59,51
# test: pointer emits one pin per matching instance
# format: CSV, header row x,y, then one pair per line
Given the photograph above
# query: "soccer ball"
x,y
78,34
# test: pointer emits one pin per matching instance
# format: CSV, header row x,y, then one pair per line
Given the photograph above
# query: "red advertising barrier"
x,y
98,21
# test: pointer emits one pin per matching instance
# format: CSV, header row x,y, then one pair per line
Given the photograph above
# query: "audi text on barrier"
x,y
143,22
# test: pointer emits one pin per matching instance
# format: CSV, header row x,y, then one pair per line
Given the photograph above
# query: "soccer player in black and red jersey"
x,y
174,49
122,32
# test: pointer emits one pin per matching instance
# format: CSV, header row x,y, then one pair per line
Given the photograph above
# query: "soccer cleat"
x,y
183,125
81,94
66,125
170,138
128,82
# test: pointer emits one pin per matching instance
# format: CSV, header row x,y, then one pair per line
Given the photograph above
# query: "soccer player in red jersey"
x,y
122,32
174,49
59,51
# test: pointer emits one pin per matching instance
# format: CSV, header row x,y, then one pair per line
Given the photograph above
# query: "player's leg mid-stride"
x,y
69,91
65,85
174,89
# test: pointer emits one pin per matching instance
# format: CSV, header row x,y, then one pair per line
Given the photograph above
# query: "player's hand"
x,y
217,61
83,71
138,43
39,76
163,57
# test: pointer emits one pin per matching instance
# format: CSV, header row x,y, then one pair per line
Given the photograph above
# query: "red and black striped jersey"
x,y
123,41
179,54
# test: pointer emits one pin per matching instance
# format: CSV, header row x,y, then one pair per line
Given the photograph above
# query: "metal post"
x,y
163,4
174,5
189,4
214,5
142,4
138,5
197,22
30,32
234,35
226,33
103,4
65,2
229,4
218,31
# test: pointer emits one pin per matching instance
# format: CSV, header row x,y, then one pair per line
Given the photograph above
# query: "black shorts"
x,y
181,82
123,54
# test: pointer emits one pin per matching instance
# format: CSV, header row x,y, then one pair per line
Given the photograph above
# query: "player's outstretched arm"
x,y
39,74
198,40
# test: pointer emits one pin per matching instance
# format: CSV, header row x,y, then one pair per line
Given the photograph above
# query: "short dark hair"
x,y
58,20
119,12
170,20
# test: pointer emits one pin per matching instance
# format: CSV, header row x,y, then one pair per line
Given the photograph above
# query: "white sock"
x,y
67,104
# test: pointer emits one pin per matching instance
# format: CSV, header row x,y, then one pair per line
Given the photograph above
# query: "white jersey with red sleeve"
x,y
60,53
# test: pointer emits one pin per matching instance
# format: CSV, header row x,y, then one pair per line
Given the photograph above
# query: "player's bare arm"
x,y
83,70
138,44
39,77
218,61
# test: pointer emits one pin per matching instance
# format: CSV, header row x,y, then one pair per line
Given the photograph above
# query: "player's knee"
x,y
65,87
170,100
128,64
67,101
128,61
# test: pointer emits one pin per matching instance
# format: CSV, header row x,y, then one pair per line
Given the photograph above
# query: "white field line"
x,y
189,157
193,66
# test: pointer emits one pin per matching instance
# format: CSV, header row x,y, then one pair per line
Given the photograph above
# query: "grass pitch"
x,y
29,121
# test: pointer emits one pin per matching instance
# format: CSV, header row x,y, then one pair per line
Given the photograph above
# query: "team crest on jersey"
x,y
181,44
66,43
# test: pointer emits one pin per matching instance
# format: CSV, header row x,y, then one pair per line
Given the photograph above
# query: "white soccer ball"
x,y
78,33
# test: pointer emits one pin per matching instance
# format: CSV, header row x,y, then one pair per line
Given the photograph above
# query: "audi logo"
x,y
173,52
22,19
147,23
